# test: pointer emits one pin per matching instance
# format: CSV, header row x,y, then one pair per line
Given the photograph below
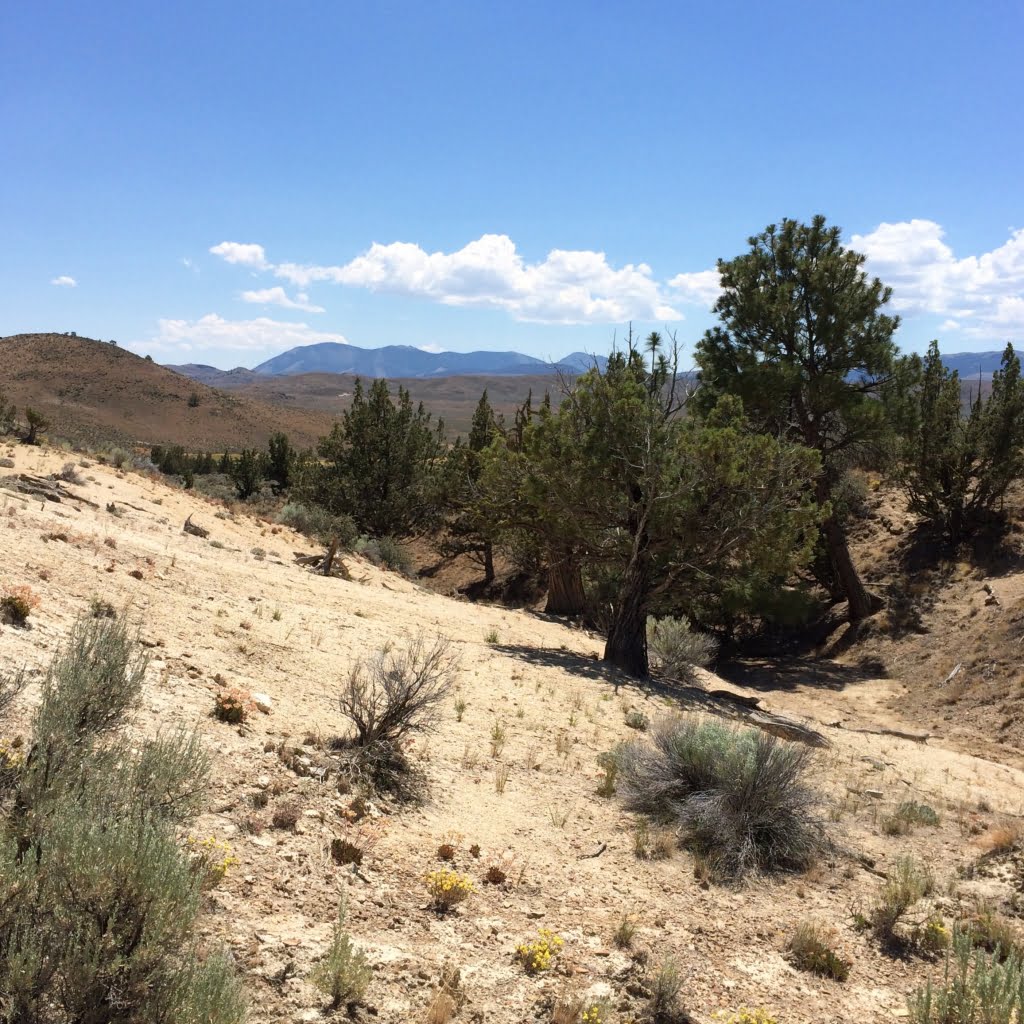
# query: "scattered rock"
x,y
263,703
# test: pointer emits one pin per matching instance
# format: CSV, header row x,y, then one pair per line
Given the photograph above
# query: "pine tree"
x,y
36,421
805,344
956,466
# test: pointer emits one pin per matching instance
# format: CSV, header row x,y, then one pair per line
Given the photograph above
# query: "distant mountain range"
x,y
393,361
972,364
406,362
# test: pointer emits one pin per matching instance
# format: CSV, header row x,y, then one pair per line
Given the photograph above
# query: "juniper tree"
x,y
247,473
958,465
36,421
804,342
280,460
380,463
621,476
469,529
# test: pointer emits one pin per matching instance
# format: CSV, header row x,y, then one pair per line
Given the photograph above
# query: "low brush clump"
x,y
448,889
740,796
811,949
677,649
540,954
343,975
17,603
233,704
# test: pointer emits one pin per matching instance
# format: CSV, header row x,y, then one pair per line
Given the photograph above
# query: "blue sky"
x,y
216,182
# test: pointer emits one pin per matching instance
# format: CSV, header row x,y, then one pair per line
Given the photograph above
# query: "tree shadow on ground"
x,y
766,674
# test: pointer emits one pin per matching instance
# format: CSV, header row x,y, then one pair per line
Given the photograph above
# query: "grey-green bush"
x,y
343,975
740,795
98,921
677,649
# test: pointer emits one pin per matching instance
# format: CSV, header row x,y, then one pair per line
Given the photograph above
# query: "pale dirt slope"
x,y
206,610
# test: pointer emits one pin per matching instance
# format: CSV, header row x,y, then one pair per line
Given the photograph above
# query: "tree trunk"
x,y
488,561
565,587
626,647
861,602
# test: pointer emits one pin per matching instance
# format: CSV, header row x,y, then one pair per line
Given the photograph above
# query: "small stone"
x,y
263,703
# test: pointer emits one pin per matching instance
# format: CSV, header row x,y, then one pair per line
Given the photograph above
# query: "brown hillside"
x,y
94,393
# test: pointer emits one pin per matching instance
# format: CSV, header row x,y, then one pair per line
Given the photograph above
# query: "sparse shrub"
x,y
113,510
625,931
637,720
677,649
285,816
259,554
491,636
609,764
101,609
449,846
447,889
460,709
69,473
398,691
343,975
976,988
100,897
497,739
233,704
345,852
666,986
811,949
991,931
17,603
745,1016
318,524
740,795
385,551
212,859
501,774
908,815
907,884
118,457
540,954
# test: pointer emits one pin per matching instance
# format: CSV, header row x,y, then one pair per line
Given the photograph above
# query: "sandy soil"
x,y
237,607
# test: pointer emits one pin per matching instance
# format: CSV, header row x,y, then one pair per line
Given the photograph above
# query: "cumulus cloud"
x,y
701,287
277,296
984,294
64,281
215,332
247,254
567,286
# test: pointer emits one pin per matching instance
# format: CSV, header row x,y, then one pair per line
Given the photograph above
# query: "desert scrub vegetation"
x,y
233,704
976,988
811,948
396,692
99,919
909,882
677,648
17,603
539,954
447,889
343,975
907,816
739,796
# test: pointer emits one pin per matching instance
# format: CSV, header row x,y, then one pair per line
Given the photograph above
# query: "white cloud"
x,y
984,294
701,287
277,296
567,286
248,254
64,281
433,348
214,332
